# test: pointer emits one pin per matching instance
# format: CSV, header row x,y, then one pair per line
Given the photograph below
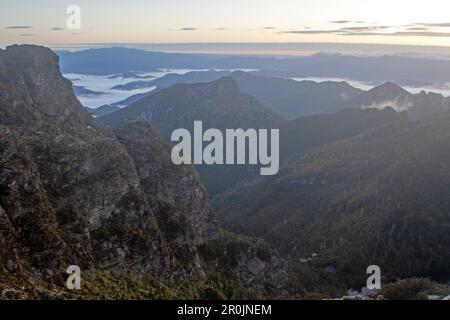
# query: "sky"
x,y
413,22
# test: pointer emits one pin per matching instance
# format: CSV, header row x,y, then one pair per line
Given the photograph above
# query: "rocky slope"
x,y
377,198
301,135
174,185
72,193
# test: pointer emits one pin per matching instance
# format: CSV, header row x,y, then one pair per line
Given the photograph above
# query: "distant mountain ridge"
x,y
288,98
119,60
293,99
391,95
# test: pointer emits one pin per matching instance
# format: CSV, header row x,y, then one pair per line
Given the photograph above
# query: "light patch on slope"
x,y
394,104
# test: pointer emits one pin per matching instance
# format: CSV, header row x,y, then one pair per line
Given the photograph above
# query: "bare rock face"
x,y
178,186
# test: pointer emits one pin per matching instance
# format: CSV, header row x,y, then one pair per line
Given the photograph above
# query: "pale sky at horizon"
x,y
153,21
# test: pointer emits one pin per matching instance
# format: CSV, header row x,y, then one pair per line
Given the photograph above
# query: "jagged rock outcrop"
x,y
175,185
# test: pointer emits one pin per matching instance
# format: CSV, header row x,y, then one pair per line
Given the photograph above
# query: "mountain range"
x,y
119,60
354,187
288,98
227,103
364,179
376,68
76,193
292,99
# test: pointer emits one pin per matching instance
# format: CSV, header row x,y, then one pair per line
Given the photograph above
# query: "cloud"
x,y
418,29
374,31
188,29
345,21
402,34
341,21
27,35
269,28
438,25
56,29
340,31
19,27
312,31
365,28
221,29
